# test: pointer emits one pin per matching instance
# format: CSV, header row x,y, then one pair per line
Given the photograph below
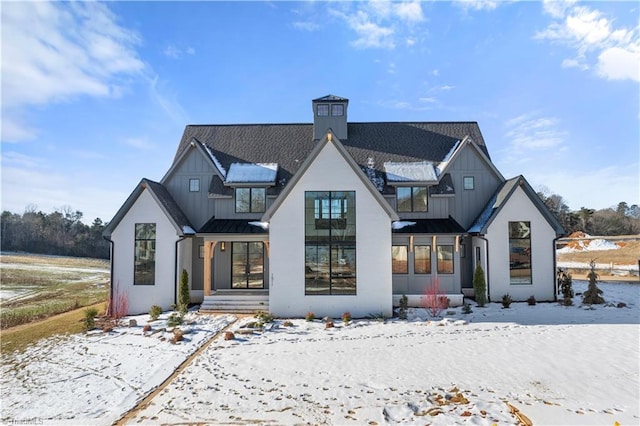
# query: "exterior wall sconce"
x,y
223,246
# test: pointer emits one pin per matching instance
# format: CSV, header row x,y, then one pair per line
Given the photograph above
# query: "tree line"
x,y
63,233
622,220
59,233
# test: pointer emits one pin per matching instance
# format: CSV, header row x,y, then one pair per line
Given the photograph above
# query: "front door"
x,y
247,265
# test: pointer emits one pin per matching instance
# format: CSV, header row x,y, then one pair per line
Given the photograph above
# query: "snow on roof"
x,y
252,172
399,224
221,169
447,157
188,230
422,171
484,216
263,225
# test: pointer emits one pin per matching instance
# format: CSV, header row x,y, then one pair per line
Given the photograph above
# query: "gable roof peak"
x,y
331,98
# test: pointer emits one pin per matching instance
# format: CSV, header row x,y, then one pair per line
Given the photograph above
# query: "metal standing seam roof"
x,y
431,226
231,226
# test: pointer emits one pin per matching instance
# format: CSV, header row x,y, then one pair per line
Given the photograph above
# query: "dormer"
x,y
330,112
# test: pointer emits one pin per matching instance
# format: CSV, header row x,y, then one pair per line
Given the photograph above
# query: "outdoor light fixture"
x,y
223,247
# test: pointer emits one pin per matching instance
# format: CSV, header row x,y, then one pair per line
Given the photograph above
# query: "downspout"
x,y
175,271
555,269
487,268
111,251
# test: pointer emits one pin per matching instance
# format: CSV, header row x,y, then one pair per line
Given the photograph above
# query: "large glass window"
x,y
445,259
411,199
144,268
422,259
399,261
330,242
251,200
520,252
247,265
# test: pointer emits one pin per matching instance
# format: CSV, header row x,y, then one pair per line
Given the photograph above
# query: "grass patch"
x,y
18,338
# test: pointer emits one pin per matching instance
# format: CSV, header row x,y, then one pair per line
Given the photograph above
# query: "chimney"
x,y
330,112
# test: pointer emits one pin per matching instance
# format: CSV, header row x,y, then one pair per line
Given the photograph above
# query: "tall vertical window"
x,y
411,199
445,259
247,269
330,243
399,260
251,200
144,268
520,252
194,185
422,259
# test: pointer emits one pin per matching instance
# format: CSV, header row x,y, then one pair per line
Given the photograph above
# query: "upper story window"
x,y
323,110
411,199
468,182
194,185
337,110
144,266
251,200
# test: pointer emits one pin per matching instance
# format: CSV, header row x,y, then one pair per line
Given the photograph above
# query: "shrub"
x,y
89,320
480,286
175,319
565,286
435,300
310,316
155,312
466,308
506,300
264,317
592,295
404,306
531,300
346,317
183,296
287,324
118,304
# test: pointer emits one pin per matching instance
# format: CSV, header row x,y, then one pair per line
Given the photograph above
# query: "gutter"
x,y
175,271
111,251
487,268
555,269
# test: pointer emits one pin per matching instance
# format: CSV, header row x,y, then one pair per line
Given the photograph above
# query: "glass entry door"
x,y
247,265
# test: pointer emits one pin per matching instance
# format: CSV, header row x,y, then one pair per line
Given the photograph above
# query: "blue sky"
x,y
96,96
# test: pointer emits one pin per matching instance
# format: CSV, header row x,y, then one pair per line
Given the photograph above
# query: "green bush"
x,y
480,286
155,312
175,319
264,317
466,308
183,297
506,300
89,319
404,306
310,316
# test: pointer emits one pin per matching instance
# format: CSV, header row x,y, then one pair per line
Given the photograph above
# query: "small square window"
x,y
194,185
337,110
323,110
201,251
468,182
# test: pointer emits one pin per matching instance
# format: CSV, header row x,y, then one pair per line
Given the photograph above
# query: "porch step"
x,y
246,302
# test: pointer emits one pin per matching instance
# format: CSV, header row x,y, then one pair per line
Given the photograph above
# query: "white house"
x,y
329,217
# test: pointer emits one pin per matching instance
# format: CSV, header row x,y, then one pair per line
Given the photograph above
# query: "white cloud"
x,y
306,26
557,8
381,24
614,53
477,4
59,51
530,132
174,52
139,143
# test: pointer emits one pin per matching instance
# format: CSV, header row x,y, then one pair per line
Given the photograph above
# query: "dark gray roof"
x,y
330,98
444,187
163,197
500,199
230,226
289,144
431,226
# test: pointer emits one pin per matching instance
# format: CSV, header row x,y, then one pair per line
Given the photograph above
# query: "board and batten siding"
x,y
330,172
520,208
467,204
142,297
226,209
197,206
438,208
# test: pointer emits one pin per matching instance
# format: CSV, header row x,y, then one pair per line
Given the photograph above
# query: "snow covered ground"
x,y
557,365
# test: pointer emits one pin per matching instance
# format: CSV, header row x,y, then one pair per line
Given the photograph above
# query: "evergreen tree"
x,y
183,297
592,295
480,286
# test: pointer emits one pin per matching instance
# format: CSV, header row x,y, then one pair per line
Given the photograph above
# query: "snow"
x,y
188,230
263,225
250,172
221,169
556,364
399,224
445,161
589,245
421,171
